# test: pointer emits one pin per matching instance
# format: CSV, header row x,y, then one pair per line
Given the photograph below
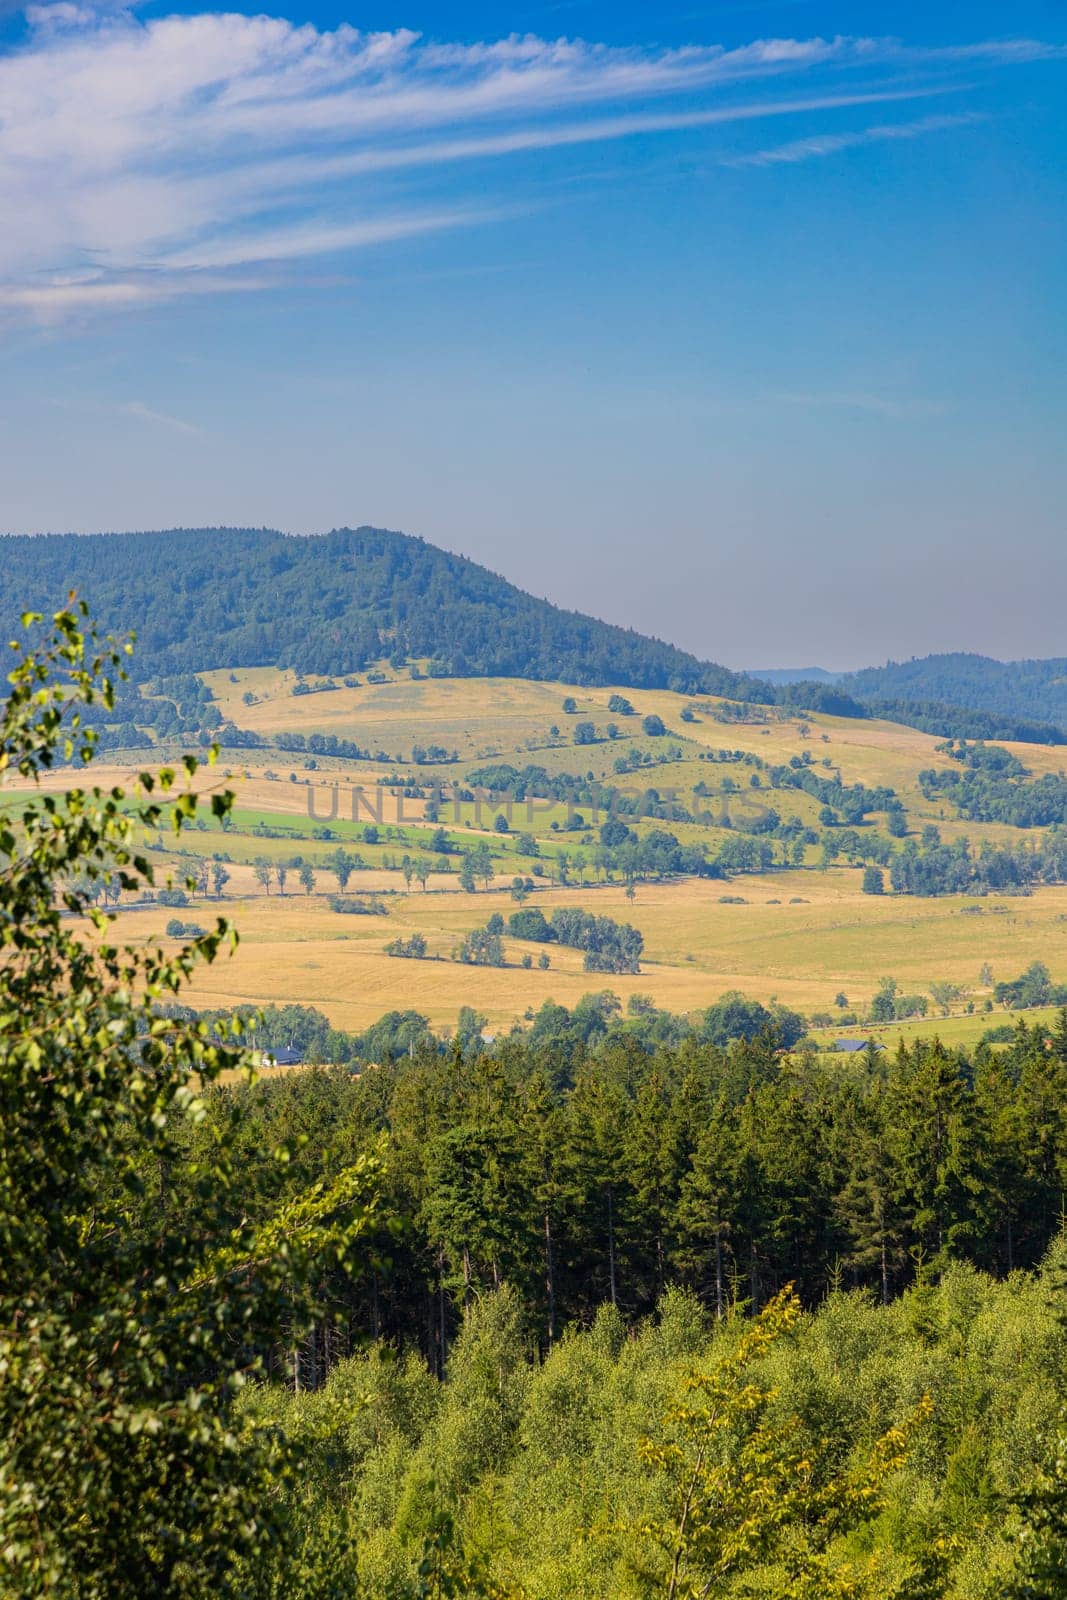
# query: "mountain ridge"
x,y
329,603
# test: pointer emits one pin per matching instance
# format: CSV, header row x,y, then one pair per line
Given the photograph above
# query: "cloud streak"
x,y
832,144
897,409
201,153
163,419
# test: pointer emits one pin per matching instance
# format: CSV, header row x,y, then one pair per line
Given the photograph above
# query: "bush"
x,y
529,924
1003,1033
351,906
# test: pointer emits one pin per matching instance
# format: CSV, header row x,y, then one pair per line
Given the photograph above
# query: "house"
x,y
284,1056
853,1047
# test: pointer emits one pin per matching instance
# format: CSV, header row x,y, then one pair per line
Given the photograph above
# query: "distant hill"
x,y
231,597
332,603
1008,692
780,675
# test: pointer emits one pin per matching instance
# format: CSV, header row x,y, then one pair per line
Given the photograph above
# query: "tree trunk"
x,y
550,1280
720,1299
611,1244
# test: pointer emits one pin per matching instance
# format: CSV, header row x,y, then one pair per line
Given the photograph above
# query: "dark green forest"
x,y
236,597
581,1171
1035,690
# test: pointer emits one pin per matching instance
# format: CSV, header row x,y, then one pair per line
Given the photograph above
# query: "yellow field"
x,y
837,939
803,936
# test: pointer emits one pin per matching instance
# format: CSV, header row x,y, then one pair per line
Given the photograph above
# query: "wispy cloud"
x,y
897,408
138,409
198,153
831,144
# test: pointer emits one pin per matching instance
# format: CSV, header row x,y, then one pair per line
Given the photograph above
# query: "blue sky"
x,y
738,323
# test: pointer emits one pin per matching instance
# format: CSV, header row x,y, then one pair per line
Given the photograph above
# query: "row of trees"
x,y
931,867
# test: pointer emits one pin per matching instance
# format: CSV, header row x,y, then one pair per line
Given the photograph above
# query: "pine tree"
x,y
707,1206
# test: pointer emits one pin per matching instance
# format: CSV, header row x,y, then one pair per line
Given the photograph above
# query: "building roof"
x,y
853,1046
284,1056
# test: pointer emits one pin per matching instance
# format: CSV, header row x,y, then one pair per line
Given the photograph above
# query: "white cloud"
x,y
831,144
142,161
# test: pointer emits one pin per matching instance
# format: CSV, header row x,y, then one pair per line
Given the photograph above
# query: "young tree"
x,y
342,865
220,877
262,870
481,863
307,877
135,1291
741,1487
281,873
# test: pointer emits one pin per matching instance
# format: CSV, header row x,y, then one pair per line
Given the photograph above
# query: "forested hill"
x,y
235,597
1005,689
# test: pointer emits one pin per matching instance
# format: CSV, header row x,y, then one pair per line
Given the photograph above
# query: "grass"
x,y
960,1030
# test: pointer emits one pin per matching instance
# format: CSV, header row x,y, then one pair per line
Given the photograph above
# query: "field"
x,y
294,948
804,935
